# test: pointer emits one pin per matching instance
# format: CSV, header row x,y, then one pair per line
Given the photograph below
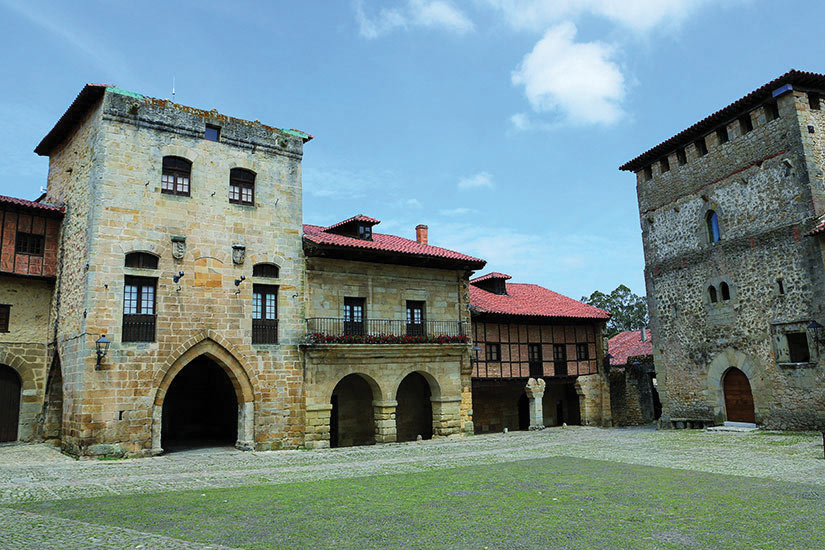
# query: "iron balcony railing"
x,y
138,328
332,330
264,331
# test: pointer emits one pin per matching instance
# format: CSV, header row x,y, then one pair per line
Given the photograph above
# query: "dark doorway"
x,y
414,413
571,398
10,386
352,421
523,412
200,408
560,413
738,397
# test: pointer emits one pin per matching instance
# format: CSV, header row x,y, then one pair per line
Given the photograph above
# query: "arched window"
x,y
725,291
712,294
712,221
241,186
141,260
175,178
265,270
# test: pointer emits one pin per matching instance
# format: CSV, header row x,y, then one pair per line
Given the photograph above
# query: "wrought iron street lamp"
x,y
102,347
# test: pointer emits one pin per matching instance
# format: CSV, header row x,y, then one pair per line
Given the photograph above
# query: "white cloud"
x,y
344,184
416,13
578,80
410,203
477,181
457,211
638,15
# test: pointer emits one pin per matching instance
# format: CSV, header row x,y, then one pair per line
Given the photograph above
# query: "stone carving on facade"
x,y
178,247
238,254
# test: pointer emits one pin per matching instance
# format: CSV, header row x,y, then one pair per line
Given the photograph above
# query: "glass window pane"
x,y
147,305
256,306
130,300
271,311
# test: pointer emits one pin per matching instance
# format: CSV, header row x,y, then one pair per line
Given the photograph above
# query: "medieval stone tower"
x,y
734,272
182,244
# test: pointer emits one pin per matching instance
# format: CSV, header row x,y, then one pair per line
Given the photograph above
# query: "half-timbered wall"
x,y
12,223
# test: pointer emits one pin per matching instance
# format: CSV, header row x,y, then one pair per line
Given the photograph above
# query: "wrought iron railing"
x,y
264,331
332,330
138,328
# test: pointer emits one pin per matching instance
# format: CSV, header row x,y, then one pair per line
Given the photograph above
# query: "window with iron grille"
x,y
29,243
141,260
415,318
5,314
175,177
265,270
582,352
560,359
264,314
241,186
536,361
354,315
139,309
493,352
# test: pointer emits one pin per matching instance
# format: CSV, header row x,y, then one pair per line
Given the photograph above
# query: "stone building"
x,y
634,398
28,264
734,273
537,358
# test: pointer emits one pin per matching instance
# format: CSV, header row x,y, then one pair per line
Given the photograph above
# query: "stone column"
x,y
384,413
446,415
317,426
535,393
246,426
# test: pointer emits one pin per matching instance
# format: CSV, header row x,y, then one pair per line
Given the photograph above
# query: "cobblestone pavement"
x,y
39,472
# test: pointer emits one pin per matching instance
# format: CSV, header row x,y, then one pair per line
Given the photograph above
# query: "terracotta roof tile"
x,y
358,218
31,204
491,275
532,300
628,344
387,243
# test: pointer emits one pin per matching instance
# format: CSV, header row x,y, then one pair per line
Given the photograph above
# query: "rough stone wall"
x,y
758,185
631,396
108,174
25,347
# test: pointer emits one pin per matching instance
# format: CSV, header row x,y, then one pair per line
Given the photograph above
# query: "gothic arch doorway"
x,y
10,387
352,419
414,412
738,396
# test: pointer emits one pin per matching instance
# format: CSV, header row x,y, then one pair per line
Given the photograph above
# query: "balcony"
x,y
330,330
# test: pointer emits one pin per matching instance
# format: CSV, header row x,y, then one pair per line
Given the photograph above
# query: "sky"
x,y
498,123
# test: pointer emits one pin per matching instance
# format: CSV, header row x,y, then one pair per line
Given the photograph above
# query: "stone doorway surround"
x,y
237,375
715,382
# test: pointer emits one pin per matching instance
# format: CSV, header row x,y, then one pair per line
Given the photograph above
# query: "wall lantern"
x,y
177,279
101,348
238,283
818,332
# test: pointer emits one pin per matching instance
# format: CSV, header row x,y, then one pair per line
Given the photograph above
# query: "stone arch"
x,y
715,379
23,369
435,387
417,397
142,245
238,374
245,164
708,208
377,392
353,416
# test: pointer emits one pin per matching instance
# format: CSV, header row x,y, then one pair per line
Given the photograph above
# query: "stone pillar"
x,y
535,393
246,426
446,415
317,426
384,414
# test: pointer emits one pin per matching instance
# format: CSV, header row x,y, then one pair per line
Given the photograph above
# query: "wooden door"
x,y
9,403
738,397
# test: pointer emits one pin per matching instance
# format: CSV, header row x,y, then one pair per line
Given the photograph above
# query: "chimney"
x,y
644,334
421,233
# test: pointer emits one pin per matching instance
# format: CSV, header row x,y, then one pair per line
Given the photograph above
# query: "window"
x,y
365,232
725,290
265,270
415,318
712,294
722,134
354,315
5,314
175,177
771,111
798,347
701,147
560,359
582,352
29,243
647,173
780,286
745,124
139,309
712,222
536,364
664,164
213,133
493,352
264,314
241,186
141,260
681,157
813,101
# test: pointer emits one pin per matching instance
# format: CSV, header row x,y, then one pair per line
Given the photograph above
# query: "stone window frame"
x,y
180,170
716,283
779,341
704,227
239,178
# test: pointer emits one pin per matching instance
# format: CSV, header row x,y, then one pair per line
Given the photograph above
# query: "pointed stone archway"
x,y
208,350
723,364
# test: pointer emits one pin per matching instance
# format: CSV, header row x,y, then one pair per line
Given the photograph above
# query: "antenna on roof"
x,y
173,88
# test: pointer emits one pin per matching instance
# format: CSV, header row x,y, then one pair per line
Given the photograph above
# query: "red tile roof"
x,y
387,243
817,230
491,275
725,115
358,218
532,300
31,204
628,344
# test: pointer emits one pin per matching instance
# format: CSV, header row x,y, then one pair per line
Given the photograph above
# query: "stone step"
x,y
742,427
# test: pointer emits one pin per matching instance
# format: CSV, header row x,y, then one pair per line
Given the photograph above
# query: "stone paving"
x,y
39,472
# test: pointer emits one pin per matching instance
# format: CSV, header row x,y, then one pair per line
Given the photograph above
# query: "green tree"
x,y
628,311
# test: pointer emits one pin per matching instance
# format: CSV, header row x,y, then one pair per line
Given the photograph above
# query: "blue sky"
x,y
499,123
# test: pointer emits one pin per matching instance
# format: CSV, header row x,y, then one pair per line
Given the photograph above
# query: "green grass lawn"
x,y
544,503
